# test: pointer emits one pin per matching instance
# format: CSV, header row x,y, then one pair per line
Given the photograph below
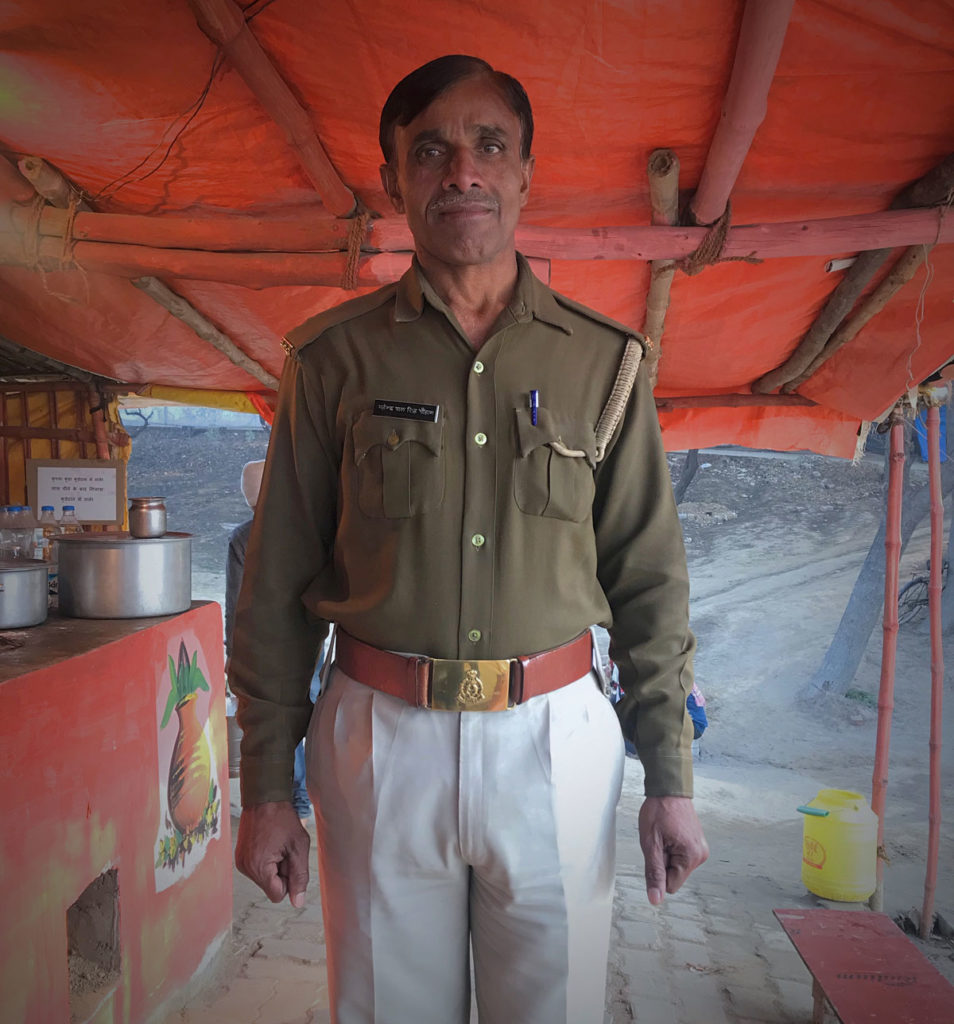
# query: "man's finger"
x,y
294,871
655,861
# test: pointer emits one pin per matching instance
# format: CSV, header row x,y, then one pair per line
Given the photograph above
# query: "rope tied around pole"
x,y
356,233
711,248
31,232
69,241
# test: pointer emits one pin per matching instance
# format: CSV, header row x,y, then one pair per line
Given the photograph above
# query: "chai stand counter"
x,y
115,850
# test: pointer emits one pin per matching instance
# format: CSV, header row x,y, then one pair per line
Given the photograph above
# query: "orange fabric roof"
x,y
862,104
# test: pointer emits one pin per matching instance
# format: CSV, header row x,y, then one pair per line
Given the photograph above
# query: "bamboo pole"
x,y
321,233
730,401
663,171
204,328
263,269
889,650
937,666
930,190
56,189
764,25
224,23
900,274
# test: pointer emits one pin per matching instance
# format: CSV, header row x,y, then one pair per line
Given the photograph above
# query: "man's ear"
x,y
389,181
526,171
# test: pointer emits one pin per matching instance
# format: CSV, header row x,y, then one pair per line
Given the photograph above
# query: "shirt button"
x,y
478,367
473,636
477,540
480,439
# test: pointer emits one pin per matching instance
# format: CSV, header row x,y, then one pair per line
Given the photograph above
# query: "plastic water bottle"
x,y
68,521
47,530
6,533
22,529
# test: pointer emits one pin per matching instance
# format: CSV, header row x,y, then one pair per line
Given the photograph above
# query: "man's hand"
x,y
672,841
272,850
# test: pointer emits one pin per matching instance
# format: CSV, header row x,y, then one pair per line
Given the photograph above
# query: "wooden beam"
x,y
764,25
663,173
730,401
224,23
887,229
204,328
899,275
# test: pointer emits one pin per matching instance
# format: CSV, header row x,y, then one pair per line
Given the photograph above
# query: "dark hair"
x,y
418,90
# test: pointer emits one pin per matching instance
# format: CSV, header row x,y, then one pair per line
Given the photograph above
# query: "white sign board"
x,y
95,487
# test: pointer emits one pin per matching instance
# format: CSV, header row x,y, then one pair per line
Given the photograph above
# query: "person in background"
x,y
234,570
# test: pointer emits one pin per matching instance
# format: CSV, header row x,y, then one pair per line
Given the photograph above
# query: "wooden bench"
x,y
867,969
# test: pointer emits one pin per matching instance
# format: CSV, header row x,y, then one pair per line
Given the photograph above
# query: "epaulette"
x,y
300,337
596,317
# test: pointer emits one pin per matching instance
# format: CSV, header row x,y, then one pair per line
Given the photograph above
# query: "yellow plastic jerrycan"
x,y
839,846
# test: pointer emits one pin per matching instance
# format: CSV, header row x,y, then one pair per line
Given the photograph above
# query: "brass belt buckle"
x,y
470,685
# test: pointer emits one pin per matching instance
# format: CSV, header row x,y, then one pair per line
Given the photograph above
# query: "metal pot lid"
x,y
119,539
21,564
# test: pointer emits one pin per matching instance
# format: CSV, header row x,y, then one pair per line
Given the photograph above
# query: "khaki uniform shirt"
x,y
465,533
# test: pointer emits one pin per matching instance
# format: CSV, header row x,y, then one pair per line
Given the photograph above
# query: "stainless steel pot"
x,y
115,576
24,592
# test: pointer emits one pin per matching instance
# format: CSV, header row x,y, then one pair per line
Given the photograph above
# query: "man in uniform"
x,y
462,478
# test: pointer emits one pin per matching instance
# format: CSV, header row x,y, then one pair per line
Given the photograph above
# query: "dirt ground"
x,y
774,545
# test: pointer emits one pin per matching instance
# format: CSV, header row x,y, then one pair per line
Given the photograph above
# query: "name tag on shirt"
x,y
406,410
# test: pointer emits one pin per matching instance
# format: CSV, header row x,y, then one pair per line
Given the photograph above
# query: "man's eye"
x,y
429,153
492,147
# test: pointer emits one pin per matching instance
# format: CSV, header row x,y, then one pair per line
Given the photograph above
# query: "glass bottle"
x,y
68,521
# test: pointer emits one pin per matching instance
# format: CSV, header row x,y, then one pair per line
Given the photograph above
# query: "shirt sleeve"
x,y
642,570
277,639
234,565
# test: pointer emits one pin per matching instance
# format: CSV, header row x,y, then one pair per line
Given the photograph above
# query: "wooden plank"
x,y
868,968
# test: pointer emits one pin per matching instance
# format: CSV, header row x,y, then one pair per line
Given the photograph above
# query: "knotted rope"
x,y
356,232
710,249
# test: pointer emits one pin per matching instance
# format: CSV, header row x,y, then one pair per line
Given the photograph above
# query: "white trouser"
x,y
437,829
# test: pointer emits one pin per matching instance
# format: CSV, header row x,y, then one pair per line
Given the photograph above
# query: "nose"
x,y
461,171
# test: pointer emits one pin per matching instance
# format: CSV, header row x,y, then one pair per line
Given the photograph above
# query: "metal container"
x,y
147,517
115,576
23,592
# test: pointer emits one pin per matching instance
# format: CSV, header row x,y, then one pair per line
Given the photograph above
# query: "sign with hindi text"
x,y
95,487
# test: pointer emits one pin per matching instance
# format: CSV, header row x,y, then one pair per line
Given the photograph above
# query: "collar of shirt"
x,y
532,299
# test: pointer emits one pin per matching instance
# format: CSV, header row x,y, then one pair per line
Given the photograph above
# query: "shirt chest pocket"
x,y
399,466
553,470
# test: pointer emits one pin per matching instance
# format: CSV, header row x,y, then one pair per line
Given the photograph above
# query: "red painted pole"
x,y
937,666
892,555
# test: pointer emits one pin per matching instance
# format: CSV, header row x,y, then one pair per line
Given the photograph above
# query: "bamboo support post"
x,y
889,650
99,423
224,23
930,190
764,25
937,666
204,328
663,171
868,309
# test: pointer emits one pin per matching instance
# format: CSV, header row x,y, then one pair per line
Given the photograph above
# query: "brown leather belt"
x,y
467,685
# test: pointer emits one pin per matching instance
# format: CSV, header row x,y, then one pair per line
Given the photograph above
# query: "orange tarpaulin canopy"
x,y
137,106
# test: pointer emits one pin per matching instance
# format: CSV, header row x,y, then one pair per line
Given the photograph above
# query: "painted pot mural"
x,y
191,793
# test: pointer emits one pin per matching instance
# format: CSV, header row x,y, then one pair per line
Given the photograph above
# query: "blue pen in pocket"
x,y
534,405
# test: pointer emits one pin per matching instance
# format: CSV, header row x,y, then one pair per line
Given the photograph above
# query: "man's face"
x,y
458,177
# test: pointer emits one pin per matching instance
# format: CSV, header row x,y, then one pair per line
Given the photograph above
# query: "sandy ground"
x,y
774,546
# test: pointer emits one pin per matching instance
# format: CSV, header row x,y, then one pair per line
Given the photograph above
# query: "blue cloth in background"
x,y
920,432
698,715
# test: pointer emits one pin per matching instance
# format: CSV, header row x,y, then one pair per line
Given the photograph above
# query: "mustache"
x,y
473,197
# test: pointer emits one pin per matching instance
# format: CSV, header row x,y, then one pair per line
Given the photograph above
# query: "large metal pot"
x,y
115,576
24,592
